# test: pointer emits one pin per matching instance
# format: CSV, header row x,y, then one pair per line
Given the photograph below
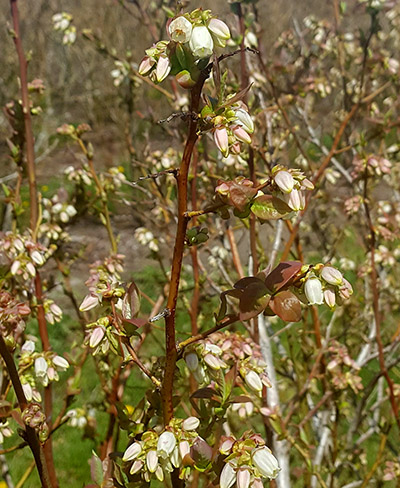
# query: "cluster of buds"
x,y
12,317
231,126
34,417
222,351
23,255
120,72
53,312
288,185
113,179
158,454
80,176
163,160
342,368
374,165
80,418
63,22
147,238
104,282
39,368
57,211
324,283
100,335
248,461
193,38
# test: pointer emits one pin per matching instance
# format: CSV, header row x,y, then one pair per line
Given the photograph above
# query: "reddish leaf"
x,y
243,283
253,300
241,399
131,302
282,275
241,195
203,393
286,306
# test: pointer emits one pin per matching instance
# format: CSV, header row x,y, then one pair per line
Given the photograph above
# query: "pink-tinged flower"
x,y
152,461
236,148
180,30
241,135
96,337
166,444
160,474
253,381
243,477
212,361
18,244
201,43
332,275
191,423
228,476
346,290
27,391
37,258
146,65
132,452
221,140
257,483
295,200
226,446
15,267
90,301
284,180
330,297
244,119
265,462
307,184
56,310
163,68
184,78
192,361
219,29
184,448
313,291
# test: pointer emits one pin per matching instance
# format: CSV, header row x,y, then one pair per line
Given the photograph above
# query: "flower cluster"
x,y
231,126
288,185
146,238
248,461
104,282
62,22
221,351
193,38
157,454
55,215
5,431
374,165
38,369
324,283
12,315
342,368
23,255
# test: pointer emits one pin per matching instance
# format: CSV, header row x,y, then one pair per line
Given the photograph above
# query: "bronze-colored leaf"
x,y
253,300
282,275
286,306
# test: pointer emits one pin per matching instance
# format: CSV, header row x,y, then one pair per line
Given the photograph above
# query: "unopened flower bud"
x,y
253,381
28,346
221,140
244,119
330,297
37,258
60,362
90,301
136,466
146,65
332,275
163,68
40,367
241,135
295,200
201,43
228,476
184,448
313,291
185,79
31,269
166,444
192,361
180,29
212,361
152,461
219,29
226,446
284,180
265,462
132,452
96,337
243,478
15,267
191,423
160,474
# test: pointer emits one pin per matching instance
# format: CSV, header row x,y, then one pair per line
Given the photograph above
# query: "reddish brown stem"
x,y
30,434
193,251
182,188
375,304
235,253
